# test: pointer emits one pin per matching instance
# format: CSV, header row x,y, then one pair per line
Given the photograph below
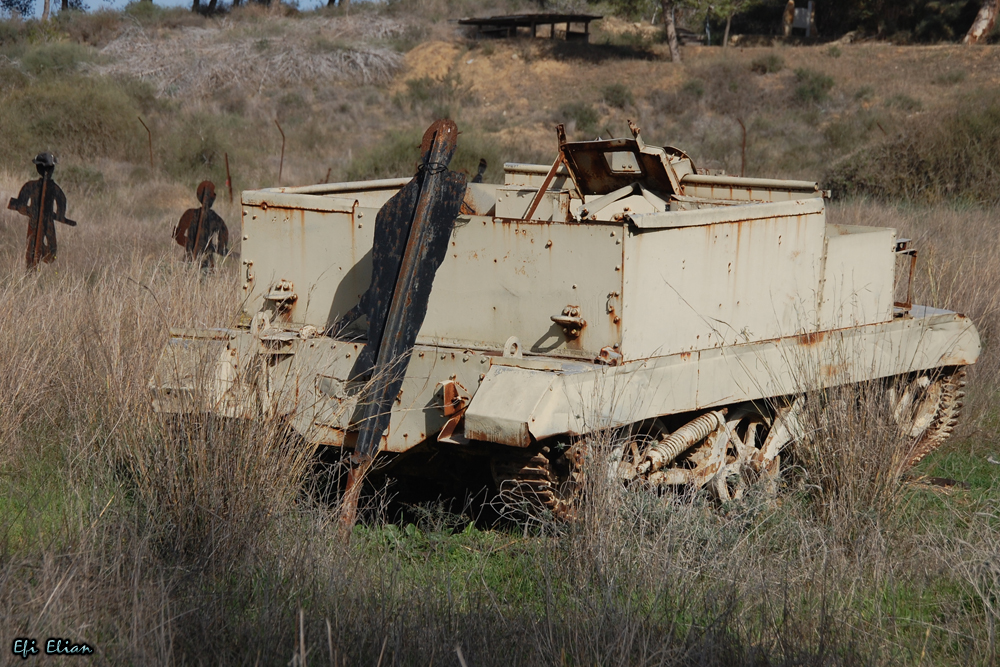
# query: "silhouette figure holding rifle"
x,y
201,231
44,202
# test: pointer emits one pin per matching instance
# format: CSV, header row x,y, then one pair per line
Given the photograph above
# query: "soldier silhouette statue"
x,y
201,231
43,202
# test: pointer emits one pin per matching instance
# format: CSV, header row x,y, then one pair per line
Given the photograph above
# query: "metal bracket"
x,y
282,295
570,321
903,248
454,399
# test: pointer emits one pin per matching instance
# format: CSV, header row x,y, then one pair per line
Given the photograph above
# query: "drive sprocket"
x,y
951,390
542,479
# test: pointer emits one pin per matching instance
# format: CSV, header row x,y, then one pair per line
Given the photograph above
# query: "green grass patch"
x,y
812,86
767,64
618,95
583,114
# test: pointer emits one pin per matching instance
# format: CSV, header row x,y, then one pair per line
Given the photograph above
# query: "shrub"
x,y
767,64
950,78
93,28
195,147
83,117
694,87
81,179
583,114
864,93
12,77
398,153
939,156
812,86
56,58
618,95
904,103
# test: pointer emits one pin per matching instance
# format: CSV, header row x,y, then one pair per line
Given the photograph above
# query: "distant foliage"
x,y
582,113
18,7
618,95
767,64
953,155
812,86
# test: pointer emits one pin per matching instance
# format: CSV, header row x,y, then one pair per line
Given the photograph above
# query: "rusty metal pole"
x,y
40,225
743,161
545,186
281,163
150,136
202,219
413,228
229,179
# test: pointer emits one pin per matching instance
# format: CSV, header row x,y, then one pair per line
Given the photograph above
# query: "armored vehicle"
x,y
440,324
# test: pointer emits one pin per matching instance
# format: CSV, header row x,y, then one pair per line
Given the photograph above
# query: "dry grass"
x,y
164,543
197,61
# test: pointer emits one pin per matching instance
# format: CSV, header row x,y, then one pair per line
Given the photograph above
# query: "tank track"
x,y
541,480
948,411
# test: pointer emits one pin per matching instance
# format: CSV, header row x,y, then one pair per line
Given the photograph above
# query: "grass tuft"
x,y
812,86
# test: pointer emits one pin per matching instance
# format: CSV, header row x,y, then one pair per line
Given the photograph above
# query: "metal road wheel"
x,y
740,451
926,408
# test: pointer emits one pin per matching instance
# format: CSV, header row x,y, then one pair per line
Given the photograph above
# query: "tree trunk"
x,y
211,6
195,6
788,18
985,20
670,23
45,11
725,36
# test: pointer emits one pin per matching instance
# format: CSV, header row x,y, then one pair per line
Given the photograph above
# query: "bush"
x,y
812,86
953,155
694,87
56,58
84,117
196,146
618,95
398,153
93,28
767,64
950,78
581,113
904,103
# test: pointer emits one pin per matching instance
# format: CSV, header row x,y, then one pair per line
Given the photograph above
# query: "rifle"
x,y
39,226
202,217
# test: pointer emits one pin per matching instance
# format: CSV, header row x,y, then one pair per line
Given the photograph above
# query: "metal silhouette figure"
x,y
201,232
44,202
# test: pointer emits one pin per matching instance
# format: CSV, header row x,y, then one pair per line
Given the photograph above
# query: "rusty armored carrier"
x,y
433,322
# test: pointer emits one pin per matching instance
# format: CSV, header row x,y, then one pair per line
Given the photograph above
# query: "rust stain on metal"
x,y
813,338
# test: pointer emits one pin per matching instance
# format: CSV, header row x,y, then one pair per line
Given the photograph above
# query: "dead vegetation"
x,y
197,61
152,541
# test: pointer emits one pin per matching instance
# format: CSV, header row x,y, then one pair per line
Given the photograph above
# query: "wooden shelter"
x,y
577,25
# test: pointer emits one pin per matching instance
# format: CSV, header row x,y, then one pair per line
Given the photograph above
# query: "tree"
x,y
18,7
670,25
727,9
985,20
